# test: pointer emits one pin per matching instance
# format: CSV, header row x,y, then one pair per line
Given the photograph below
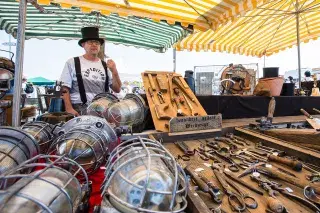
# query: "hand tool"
x,y
232,167
316,110
227,141
201,155
161,98
265,184
183,157
270,150
238,201
184,147
162,84
277,188
183,90
266,122
294,164
193,113
310,194
250,154
286,172
314,122
216,196
183,82
209,183
169,76
275,206
235,140
177,92
159,109
233,177
152,84
251,169
234,137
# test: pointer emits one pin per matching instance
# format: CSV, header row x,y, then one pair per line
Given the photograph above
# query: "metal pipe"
x,y
19,63
298,41
174,59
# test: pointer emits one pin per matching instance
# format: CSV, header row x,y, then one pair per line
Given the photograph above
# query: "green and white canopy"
x,y
55,22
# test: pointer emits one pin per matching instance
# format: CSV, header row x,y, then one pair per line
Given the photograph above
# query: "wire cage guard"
x,y
50,188
85,139
42,132
16,146
142,176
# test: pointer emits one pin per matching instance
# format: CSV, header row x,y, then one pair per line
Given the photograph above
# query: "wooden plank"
x,y
306,155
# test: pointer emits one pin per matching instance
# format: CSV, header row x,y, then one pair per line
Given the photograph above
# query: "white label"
x,y
256,174
207,164
198,169
289,189
268,165
227,170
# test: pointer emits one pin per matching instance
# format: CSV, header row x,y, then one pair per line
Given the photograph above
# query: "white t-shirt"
x,y
93,75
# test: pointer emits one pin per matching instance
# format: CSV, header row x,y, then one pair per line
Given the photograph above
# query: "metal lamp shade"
x,y
51,189
142,176
100,104
129,111
16,146
86,139
42,132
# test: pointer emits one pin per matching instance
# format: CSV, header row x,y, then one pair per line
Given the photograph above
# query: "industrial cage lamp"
x,y
86,139
16,146
50,188
142,176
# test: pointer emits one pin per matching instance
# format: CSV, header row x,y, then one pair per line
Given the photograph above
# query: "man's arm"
x,y
67,101
116,83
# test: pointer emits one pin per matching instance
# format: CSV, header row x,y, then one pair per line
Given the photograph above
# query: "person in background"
x,y
290,78
307,76
86,76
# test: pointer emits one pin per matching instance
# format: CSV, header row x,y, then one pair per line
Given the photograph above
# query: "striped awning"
x,y
265,30
202,14
54,22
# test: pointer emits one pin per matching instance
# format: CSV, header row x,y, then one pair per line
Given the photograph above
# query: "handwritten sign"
x,y
194,123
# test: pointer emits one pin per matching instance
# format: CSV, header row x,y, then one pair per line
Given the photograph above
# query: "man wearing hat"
x,y
86,76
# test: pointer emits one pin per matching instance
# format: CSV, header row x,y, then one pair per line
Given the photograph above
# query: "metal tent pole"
x,y
16,120
174,59
298,42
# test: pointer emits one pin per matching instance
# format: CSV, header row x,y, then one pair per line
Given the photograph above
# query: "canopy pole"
x,y
16,120
298,42
174,59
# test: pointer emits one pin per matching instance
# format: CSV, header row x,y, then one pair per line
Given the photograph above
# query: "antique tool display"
x,y
16,146
169,96
130,110
142,176
86,139
51,188
249,176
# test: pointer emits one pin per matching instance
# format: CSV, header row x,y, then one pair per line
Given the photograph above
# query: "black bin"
x,y
288,89
270,72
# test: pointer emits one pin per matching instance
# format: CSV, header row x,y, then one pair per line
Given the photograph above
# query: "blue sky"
x,y
47,57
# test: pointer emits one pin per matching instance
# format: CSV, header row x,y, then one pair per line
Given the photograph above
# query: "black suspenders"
x,y
82,91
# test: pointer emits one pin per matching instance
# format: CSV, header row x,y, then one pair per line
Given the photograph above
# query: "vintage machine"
x,y
236,79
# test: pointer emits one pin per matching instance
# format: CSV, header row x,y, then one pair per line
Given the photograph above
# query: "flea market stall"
x,y
168,150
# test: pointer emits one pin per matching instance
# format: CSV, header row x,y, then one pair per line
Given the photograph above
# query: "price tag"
x,y
198,169
227,170
207,164
289,189
256,174
268,165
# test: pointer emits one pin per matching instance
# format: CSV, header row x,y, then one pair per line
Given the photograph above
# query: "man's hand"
x,y
73,112
112,66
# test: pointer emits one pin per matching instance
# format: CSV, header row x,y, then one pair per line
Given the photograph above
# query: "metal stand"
x,y
174,59
19,64
298,41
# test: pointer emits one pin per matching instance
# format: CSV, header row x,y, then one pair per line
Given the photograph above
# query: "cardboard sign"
x,y
194,123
